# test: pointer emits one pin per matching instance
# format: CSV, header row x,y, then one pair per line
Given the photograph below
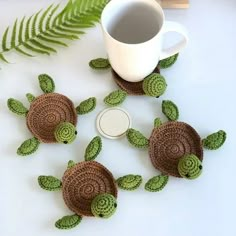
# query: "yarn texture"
x,y
93,149
170,110
157,183
129,182
65,133
215,140
49,183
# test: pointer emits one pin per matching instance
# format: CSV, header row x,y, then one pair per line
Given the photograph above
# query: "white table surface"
x,y
202,83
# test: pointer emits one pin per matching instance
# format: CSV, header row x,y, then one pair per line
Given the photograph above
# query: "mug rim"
x,y
152,2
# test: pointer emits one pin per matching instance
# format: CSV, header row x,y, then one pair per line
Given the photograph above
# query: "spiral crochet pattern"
x,y
83,182
132,88
190,166
171,141
65,133
104,205
46,112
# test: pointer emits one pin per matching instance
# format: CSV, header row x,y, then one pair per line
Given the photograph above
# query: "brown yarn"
x,y
46,112
170,142
82,183
132,88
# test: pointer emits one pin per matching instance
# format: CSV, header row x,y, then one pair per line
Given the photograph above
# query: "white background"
x,y
202,83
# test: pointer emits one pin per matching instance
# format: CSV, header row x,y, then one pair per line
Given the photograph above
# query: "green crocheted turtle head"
x,y
103,205
189,166
154,85
65,133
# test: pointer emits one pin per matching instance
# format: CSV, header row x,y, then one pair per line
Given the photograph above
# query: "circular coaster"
x,y
132,88
83,182
113,123
170,142
46,112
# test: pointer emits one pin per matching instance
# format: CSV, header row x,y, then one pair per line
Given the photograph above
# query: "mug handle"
x,y
170,26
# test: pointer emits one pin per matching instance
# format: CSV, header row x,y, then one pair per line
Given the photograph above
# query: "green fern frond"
x,y
41,32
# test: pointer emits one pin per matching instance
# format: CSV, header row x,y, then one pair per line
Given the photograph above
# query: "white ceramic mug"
x,y
133,32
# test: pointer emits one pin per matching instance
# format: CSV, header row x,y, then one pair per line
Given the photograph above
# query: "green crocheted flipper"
x,y
215,140
168,62
17,107
154,85
137,139
103,205
99,64
30,97
93,149
28,147
170,110
65,133
157,122
46,83
70,164
49,183
68,222
86,106
115,98
129,182
156,183
189,166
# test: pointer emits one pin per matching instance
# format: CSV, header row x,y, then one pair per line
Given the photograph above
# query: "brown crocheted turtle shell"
x,y
132,88
170,142
46,112
83,182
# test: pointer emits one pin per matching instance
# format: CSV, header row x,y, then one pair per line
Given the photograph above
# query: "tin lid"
x,y
113,123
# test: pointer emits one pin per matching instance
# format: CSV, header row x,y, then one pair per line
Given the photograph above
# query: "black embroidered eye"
x,y
76,132
65,142
115,205
200,167
101,215
187,176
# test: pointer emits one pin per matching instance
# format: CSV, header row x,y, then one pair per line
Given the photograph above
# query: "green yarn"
x,y
99,64
154,85
30,97
168,62
86,106
68,222
28,147
115,98
215,140
93,149
157,183
103,205
49,183
170,110
157,122
70,164
189,166
65,133
137,139
129,182
46,83
17,107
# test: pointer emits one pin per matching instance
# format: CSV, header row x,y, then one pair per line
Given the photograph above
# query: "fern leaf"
x,y
20,35
4,40
41,46
37,50
27,28
43,17
61,35
34,24
13,36
62,29
3,58
23,52
53,41
49,19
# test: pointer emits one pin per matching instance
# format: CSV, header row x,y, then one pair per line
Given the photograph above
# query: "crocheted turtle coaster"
x,y
88,188
51,118
175,148
83,182
131,88
169,143
46,113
